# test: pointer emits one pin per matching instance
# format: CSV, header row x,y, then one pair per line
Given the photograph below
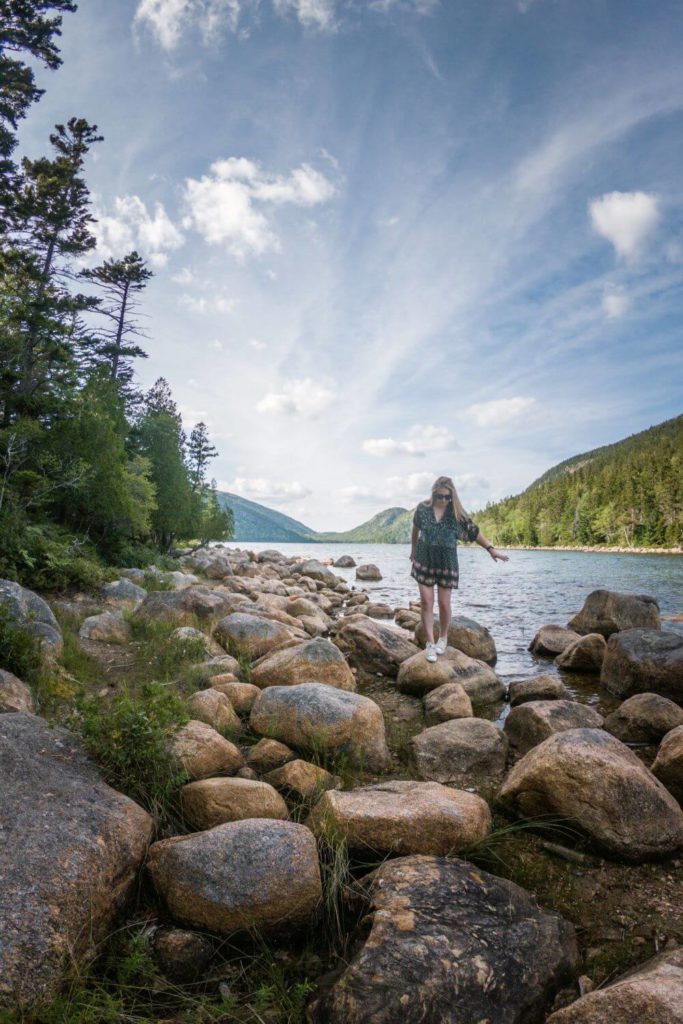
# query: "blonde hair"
x,y
446,482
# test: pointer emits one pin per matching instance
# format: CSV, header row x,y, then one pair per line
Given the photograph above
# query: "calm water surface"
x,y
513,599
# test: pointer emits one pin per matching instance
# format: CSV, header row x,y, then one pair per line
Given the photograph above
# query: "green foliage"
x,y
128,738
20,652
46,557
628,494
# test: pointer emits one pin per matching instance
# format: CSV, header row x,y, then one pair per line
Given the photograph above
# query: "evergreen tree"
x,y
122,281
200,452
25,27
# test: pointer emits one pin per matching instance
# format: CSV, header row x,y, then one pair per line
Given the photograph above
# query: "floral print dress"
x,y
436,551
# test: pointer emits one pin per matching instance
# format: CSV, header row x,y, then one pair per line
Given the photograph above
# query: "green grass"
x,y
128,737
159,655
20,649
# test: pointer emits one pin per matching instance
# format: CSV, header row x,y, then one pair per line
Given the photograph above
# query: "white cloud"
x,y
184,276
261,489
499,411
225,206
615,302
421,440
132,226
207,303
304,398
311,13
414,6
255,343
167,19
625,219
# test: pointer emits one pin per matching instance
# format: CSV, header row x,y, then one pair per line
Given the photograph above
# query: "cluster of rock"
x,y
447,942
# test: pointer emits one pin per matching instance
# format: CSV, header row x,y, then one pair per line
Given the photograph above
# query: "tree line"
x,y
92,469
628,494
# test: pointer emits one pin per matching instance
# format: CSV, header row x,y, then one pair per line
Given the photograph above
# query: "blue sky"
x,y
392,239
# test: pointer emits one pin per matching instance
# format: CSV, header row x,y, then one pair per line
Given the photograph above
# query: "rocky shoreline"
x,y
331,780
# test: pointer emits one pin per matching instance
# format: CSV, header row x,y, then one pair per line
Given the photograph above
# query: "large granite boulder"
x,y
215,709
193,643
14,695
345,562
551,640
649,994
644,661
668,766
542,687
267,754
403,817
466,635
314,661
418,676
107,627
319,718
607,612
644,718
315,570
529,724
461,752
373,646
240,695
368,573
450,944
585,655
181,607
124,592
592,781
250,635
302,780
446,702
29,612
70,849
202,752
211,802
257,873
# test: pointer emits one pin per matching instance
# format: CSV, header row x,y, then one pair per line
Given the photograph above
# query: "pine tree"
x,y
121,281
200,452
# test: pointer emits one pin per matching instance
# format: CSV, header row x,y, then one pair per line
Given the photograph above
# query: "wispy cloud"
x,y
499,411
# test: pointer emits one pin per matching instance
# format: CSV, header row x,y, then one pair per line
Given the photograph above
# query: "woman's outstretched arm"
x,y
481,539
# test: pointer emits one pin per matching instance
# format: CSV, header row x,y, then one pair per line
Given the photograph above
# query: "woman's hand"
x,y
495,555
411,556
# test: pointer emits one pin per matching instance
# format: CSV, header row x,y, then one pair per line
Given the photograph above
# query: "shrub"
x,y
128,738
19,649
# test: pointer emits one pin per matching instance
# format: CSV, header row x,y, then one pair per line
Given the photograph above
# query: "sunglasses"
x,y
442,497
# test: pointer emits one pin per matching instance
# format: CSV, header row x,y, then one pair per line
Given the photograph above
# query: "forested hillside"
x,y
629,494
257,523
92,470
389,527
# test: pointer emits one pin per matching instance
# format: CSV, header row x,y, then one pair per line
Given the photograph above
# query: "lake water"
x,y
513,599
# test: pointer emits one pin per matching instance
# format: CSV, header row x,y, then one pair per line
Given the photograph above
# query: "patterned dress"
x,y
436,551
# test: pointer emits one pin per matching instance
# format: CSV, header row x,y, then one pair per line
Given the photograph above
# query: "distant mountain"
x,y
258,523
392,526
629,494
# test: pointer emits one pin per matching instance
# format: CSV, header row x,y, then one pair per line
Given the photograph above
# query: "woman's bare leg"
x,y
445,613
427,611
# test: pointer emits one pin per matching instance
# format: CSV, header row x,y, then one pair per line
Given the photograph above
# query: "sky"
x,y
391,239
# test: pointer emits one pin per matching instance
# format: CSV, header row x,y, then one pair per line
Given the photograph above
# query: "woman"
x,y
437,524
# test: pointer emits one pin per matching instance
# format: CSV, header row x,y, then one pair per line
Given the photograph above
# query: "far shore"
x,y
596,550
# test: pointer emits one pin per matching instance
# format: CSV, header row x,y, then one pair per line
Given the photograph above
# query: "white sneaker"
x,y
431,652
441,645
